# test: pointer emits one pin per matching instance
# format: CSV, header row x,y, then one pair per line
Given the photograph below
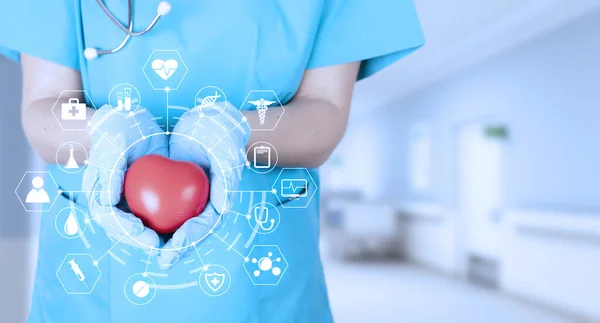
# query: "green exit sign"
x,y
496,131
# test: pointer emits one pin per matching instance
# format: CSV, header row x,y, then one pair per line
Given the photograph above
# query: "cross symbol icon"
x,y
215,281
74,111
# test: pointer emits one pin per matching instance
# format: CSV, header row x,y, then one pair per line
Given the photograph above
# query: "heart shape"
x,y
165,193
165,69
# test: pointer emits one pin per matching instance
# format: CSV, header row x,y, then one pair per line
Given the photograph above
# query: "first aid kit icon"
x,y
73,110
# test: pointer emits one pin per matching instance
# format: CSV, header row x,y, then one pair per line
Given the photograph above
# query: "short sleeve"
x,y
45,29
378,33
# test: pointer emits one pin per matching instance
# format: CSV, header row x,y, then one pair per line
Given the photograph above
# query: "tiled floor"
x,y
396,293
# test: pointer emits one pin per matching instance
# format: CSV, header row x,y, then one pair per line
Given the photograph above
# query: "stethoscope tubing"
x,y
91,53
129,29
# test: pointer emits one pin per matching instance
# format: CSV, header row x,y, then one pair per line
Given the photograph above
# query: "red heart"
x,y
165,193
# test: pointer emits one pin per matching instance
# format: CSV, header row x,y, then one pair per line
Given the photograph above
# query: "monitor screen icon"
x,y
294,188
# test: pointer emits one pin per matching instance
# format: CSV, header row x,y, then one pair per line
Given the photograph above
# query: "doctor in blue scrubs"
x,y
306,55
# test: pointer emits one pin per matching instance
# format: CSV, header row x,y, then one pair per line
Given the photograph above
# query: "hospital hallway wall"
x,y
537,106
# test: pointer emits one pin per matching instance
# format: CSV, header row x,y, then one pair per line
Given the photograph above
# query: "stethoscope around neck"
x,y
91,53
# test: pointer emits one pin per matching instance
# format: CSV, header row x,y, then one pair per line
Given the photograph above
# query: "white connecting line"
x,y
234,212
110,142
100,216
102,167
234,168
270,191
167,128
199,257
227,134
96,261
230,246
138,125
148,261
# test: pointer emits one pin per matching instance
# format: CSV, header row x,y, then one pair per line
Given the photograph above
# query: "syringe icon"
x,y
77,271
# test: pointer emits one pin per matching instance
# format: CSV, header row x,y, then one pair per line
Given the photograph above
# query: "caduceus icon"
x,y
261,106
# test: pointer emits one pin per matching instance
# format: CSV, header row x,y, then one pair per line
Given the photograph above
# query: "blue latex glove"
x,y
224,133
112,134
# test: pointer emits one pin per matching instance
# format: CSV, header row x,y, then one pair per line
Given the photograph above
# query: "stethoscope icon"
x,y
261,216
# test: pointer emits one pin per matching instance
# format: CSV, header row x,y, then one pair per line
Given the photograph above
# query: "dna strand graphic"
x,y
208,100
262,106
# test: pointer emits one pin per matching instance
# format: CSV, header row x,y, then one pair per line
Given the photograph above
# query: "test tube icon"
x,y
119,101
127,103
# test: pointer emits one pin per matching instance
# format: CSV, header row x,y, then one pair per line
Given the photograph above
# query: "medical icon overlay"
x,y
37,194
262,157
37,191
165,70
78,274
264,218
262,106
262,101
73,110
214,280
265,265
124,98
71,222
70,110
211,97
294,187
73,165
140,289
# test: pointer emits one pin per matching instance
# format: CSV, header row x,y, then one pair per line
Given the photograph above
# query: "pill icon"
x,y
141,289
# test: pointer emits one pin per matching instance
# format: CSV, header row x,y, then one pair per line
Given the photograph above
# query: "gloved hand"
x,y
112,134
219,134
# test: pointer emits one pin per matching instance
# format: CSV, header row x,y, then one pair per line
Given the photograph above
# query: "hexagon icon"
x,y
265,265
77,274
261,101
294,187
165,70
70,110
37,191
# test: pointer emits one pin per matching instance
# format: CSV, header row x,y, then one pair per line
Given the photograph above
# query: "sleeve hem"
x,y
407,48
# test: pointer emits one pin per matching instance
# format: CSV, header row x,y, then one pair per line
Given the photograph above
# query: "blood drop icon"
x,y
71,226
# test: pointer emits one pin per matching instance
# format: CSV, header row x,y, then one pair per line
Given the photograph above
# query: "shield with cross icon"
x,y
214,281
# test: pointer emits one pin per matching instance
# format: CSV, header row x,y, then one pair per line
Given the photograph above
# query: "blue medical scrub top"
x,y
238,46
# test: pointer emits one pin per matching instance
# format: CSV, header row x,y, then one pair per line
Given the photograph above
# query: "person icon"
x,y
37,193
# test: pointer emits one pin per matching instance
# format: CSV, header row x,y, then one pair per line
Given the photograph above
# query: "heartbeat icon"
x,y
165,69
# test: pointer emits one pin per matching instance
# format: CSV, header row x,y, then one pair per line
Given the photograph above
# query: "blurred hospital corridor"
x,y
467,186
407,293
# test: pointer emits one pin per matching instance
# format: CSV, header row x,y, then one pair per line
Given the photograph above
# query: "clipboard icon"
x,y
264,153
